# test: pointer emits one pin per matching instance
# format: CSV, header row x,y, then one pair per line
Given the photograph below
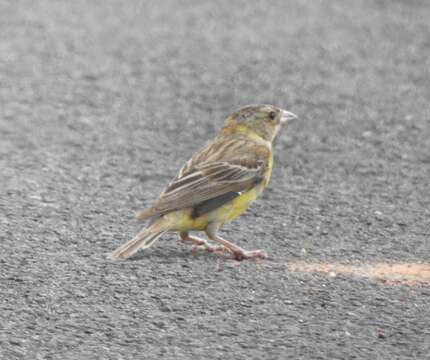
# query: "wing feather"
x,y
199,180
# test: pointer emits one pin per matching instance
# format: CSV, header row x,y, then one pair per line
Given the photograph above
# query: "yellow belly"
x,y
237,206
183,221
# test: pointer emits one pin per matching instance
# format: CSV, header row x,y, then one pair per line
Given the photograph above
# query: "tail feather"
x,y
145,214
143,240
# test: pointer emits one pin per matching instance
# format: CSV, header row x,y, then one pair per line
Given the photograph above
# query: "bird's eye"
x,y
272,115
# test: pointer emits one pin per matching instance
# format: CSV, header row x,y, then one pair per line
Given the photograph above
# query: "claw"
x,y
240,255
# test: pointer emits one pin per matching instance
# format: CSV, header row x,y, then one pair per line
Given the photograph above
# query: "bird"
x,y
216,185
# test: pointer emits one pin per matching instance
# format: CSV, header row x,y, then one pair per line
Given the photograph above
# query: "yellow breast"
x,y
240,204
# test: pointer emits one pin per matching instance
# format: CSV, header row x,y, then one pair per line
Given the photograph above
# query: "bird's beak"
x,y
287,116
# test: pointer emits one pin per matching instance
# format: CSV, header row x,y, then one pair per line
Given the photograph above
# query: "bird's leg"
x,y
238,253
201,242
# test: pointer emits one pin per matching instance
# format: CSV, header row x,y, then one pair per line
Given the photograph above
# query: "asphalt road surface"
x,y
102,102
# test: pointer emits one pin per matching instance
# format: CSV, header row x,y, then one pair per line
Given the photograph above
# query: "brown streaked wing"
x,y
218,150
242,168
213,180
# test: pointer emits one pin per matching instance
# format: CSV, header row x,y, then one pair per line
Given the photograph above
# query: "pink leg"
x,y
201,242
238,253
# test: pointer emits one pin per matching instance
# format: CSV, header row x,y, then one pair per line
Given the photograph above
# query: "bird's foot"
x,y
209,247
241,254
199,243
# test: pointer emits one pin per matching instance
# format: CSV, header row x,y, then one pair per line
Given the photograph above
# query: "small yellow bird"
x,y
216,185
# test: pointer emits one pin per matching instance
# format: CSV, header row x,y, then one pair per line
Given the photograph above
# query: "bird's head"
x,y
261,120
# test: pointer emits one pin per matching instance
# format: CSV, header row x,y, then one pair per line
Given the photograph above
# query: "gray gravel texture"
x,y
102,102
